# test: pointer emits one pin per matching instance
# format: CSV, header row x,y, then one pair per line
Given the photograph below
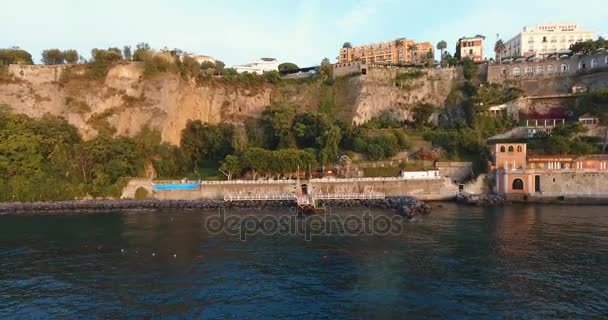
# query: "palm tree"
x,y
499,48
441,45
412,47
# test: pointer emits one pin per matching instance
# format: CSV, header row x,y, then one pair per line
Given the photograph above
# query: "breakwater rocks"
x,y
107,205
407,206
404,205
481,200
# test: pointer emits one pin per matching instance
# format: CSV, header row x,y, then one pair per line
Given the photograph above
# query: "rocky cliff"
x,y
125,101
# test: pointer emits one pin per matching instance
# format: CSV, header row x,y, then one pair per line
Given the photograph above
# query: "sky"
x,y
299,31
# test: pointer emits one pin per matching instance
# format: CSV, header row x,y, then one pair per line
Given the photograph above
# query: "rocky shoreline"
x,y
493,200
405,205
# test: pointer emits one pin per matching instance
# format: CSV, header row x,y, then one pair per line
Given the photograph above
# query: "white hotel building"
x,y
544,39
259,66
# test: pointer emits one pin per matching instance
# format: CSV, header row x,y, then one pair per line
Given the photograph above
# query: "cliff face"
x,y
381,92
124,102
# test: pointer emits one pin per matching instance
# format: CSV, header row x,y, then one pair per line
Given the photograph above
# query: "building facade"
x,y
471,47
544,39
399,51
548,68
516,172
259,66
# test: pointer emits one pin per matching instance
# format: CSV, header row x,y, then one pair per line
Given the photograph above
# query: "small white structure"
x,y
420,175
259,66
201,58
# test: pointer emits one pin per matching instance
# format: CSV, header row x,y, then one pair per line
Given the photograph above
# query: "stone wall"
x,y
553,76
456,171
437,189
346,69
574,183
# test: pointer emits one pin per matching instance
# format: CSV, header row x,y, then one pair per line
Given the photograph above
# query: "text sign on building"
x,y
561,27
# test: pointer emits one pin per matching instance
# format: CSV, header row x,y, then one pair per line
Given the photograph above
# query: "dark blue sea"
x,y
516,262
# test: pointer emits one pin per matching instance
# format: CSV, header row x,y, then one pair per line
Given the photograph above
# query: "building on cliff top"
x,y
470,47
259,66
545,39
399,51
517,173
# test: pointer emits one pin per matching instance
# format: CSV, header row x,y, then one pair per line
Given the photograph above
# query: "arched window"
x,y
519,149
529,71
518,184
516,72
539,70
510,148
606,60
594,63
582,65
564,68
504,71
550,69
502,149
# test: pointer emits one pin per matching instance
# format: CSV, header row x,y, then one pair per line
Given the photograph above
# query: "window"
x,y
550,69
519,149
606,60
502,149
528,71
582,65
544,39
504,71
518,184
594,63
510,148
539,70
517,71
564,68
470,51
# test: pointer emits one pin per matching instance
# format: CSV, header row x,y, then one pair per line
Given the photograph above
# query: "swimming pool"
x,y
176,186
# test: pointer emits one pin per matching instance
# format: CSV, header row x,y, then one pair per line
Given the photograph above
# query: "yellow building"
x,y
399,51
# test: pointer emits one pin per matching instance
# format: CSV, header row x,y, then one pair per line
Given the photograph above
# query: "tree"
x,y
126,53
141,51
52,57
288,66
101,56
230,166
469,69
202,141
15,55
499,48
277,121
421,115
441,45
412,48
347,45
70,56
330,144
188,67
326,69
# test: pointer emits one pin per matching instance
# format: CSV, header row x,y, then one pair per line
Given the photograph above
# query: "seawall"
x,y
431,189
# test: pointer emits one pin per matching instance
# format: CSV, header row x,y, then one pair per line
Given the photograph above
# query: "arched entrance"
x,y
304,189
518,184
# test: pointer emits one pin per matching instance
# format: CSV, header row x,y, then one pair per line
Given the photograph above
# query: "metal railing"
x,y
260,197
247,181
332,179
349,196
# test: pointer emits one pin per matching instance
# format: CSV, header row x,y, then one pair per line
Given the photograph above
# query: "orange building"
x,y
399,51
470,47
517,173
